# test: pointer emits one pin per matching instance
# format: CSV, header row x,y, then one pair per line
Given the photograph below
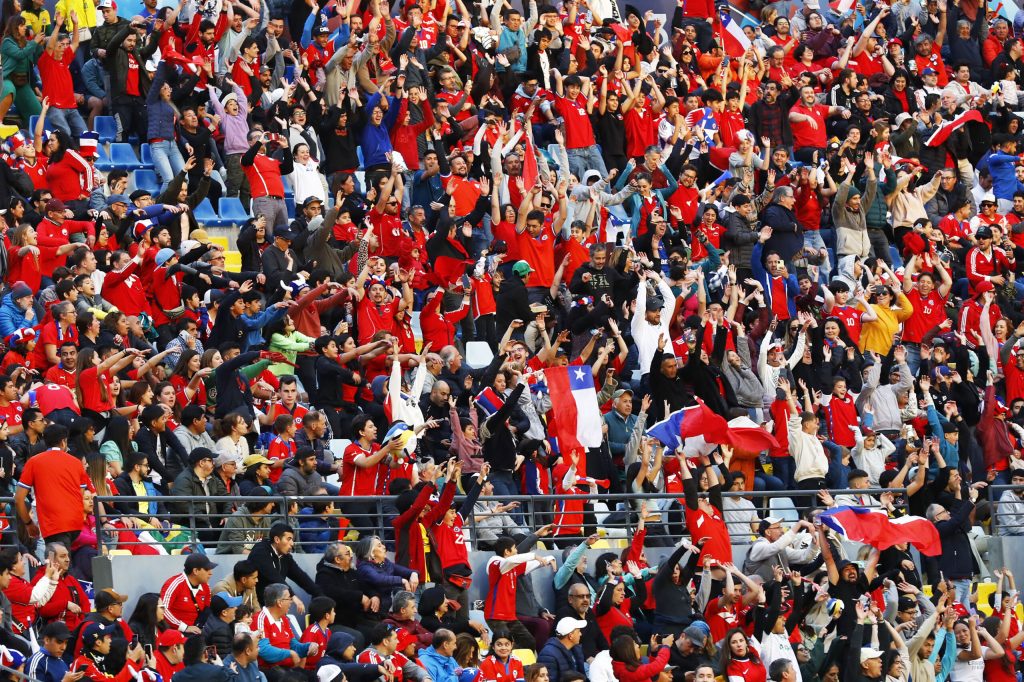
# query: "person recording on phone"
x,y
95,663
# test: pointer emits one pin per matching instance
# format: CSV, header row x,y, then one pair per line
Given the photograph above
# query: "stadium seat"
x,y
145,178
527,656
32,125
289,205
478,354
204,213
894,254
106,127
222,242
233,261
123,156
232,212
985,588
103,161
146,155
783,508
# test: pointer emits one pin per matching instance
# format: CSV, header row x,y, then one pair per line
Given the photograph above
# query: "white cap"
x,y
567,625
867,653
902,118
812,4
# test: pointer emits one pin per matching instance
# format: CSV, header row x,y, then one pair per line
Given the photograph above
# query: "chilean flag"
x,y
489,401
574,400
696,421
944,131
874,527
734,42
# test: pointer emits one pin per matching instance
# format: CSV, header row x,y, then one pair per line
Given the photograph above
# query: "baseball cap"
x,y
695,634
522,268
567,625
322,30
56,630
164,255
169,638
199,454
138,194
984,232
202,561
106,598
222,601
93,632
55,205
766,523
621,392
117,199
867,653
929,72
253,460
285,234
982,287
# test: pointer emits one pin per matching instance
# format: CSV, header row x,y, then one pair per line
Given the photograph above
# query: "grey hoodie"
x,y
744,381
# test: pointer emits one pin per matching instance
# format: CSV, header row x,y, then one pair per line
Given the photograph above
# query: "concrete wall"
x,y
134,576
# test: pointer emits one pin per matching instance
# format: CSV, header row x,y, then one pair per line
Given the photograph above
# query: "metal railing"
x,y
999,520
177,520
8,522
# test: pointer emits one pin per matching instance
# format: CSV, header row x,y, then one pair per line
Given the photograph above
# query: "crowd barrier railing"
x,y
174,522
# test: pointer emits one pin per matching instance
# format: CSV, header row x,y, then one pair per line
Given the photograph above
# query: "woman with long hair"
x,y
626,658
212,360
92,382
188,376
613,606
88,330
68,175
162,116
164,394
739,660
118,444
537,672
82,442
19,56
115,330
467,652
147,620
25,258
229,434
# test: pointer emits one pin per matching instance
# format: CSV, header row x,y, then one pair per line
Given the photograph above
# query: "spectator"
x,y
56,480
272,557
562,653
186,596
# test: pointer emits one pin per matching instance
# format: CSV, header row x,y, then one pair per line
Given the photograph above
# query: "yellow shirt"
x,y
38,23
85,9
876,335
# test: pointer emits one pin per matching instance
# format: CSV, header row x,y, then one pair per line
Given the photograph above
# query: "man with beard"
x,y
1011,506
595,278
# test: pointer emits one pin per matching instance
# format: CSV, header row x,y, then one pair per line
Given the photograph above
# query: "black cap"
x,y
138,194
302,453
197,560
983,232
199,454
56,630
740,200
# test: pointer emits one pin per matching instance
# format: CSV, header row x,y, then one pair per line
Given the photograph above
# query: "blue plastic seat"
x,y
103,161
145,178
204,213
289,203
106,127
32,124
232,212
123,156
146,154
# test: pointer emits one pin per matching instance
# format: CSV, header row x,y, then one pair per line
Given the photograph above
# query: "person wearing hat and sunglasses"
x,y
95,660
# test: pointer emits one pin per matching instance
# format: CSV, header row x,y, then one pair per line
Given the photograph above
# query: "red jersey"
x,y
745,670
50,335
450,543
641,128
58,479
803,134
929,312
315,633
851,317
702,524
182,602
58,375
11,413
373,318
359,481
56,77
494,670
539,252
278,632
500,603
298,411
981,266
579,133
280,450
842,414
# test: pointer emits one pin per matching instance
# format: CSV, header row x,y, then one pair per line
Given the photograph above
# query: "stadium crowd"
x,y
808,222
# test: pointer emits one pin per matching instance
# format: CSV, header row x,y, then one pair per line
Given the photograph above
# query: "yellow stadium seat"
x,y
984,590
601,544
233,261
527,656
222,242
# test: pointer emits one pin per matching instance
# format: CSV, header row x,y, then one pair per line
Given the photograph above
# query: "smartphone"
x,y
148,648
211,653
135,642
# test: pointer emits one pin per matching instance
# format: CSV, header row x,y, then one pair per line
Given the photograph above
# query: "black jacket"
x,y
512,303
278,568
500,445
346,591
560,660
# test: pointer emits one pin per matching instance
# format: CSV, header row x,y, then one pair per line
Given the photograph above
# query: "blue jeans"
x,y
584,159
813,240
68,120
504,483
913,357
167,160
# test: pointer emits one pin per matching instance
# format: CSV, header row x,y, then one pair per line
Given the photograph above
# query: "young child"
x,y
244,615
282,447
321,616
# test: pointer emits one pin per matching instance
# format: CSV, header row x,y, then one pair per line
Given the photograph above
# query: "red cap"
x,y
982,287
169,638
405,638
